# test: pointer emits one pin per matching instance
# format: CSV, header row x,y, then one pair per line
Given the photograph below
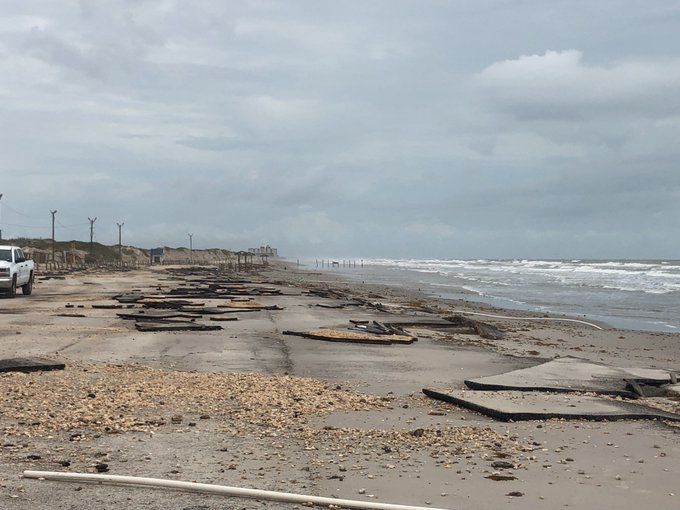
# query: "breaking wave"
x,y
641,294
653,277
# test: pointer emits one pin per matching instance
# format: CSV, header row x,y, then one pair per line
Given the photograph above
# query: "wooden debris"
x,y
339,335
379,328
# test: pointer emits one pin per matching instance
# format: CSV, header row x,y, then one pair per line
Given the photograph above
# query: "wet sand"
x,y
397,446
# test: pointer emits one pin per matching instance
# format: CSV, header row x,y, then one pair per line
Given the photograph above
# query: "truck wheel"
x,y
13,288
28,287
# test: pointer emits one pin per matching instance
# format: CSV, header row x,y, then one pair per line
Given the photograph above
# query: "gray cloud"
x,y
503,128
558,85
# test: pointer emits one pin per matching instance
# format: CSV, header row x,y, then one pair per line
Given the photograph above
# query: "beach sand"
x,y
252,407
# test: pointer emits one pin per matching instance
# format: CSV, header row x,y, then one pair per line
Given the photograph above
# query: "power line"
x,y
24,226
75,225
17,212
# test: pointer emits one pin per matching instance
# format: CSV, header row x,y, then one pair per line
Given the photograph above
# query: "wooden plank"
x,y
335,335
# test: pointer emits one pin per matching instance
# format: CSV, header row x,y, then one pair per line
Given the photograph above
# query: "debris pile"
x,y
482,329
177,308
362,332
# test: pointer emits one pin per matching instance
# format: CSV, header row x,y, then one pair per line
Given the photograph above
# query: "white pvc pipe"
x,y
222,490
528,318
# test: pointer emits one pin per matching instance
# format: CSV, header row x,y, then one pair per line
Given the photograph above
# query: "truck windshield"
x,y
6,255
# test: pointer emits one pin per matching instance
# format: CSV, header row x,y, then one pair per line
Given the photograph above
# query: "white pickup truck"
x,y
15,271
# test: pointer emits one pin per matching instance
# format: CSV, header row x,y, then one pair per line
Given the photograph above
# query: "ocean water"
x,y
632,294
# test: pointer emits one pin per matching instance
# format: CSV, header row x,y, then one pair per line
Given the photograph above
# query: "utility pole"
x,y
191,248
53,213
0,216
92,220
120,245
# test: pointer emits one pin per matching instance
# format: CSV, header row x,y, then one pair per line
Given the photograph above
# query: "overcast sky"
x,y
373,128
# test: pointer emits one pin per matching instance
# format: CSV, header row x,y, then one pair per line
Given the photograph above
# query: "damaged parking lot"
x,y
235,401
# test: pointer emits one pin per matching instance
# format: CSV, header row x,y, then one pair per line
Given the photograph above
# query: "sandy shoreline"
x,y
329,419
550,338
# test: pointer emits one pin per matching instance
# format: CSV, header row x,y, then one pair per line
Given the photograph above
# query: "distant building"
x,y
156,255
264,250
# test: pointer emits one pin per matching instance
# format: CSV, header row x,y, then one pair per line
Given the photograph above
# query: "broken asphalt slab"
x,y
175,326
155,316
29,365
522,406
573,374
